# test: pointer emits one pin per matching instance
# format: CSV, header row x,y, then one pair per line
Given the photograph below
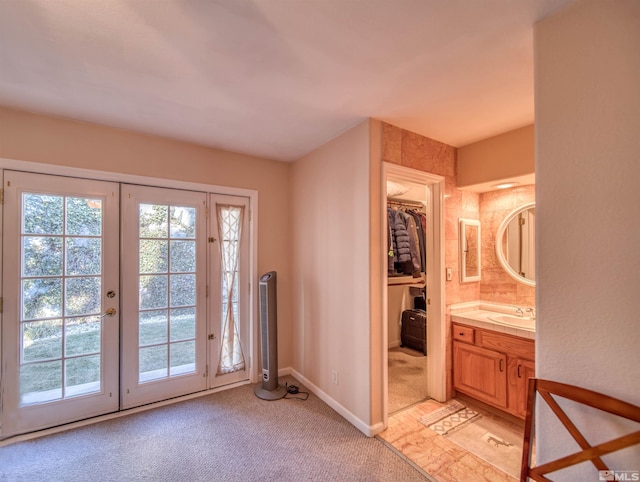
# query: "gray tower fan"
x,y
269,389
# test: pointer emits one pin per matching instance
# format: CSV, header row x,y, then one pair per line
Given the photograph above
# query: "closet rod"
x,y
404,202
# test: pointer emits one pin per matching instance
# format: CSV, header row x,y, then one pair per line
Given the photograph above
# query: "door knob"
x,y
110,312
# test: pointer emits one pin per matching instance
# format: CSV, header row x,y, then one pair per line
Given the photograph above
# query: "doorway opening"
x,y
413,354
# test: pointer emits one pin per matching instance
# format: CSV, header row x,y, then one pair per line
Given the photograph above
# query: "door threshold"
x,y
110,416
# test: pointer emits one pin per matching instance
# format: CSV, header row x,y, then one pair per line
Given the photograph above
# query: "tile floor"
x,y
439,457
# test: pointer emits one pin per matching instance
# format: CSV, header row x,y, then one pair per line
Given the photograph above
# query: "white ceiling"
x,y
274,78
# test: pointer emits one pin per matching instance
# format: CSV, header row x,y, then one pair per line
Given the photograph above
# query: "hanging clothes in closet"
x,y
406,241
421,224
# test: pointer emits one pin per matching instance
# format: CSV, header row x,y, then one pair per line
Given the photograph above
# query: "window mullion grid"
x,y
168,291
64,296
63,282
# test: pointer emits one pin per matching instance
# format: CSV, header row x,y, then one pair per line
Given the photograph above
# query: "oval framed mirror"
x,y
515,244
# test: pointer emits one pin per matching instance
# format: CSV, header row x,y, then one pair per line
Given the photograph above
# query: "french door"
x,y
118,295
164,286
60,325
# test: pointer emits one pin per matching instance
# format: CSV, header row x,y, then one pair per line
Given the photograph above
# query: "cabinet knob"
x,y
461,334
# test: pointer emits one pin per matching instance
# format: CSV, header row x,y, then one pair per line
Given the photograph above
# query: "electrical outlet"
x,y
334,376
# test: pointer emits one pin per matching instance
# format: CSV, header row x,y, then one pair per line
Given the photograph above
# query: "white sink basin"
x,y
514,321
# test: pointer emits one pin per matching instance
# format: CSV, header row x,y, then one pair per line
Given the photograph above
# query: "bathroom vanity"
x,y
493,344
493,358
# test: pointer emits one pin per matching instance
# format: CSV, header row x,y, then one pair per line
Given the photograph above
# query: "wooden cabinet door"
x,y
480,373
519,372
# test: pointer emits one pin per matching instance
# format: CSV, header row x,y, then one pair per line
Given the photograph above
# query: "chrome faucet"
x,y
532,313
519,311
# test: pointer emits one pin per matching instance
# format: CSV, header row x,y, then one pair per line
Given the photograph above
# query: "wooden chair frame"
x,y
547,388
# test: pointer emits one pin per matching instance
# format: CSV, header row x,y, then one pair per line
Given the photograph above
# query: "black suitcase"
x,y
414,330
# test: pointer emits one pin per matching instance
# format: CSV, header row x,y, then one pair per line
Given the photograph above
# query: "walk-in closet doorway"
x,y
416,192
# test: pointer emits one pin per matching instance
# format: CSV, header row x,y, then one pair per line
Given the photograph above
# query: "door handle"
x,y
110,312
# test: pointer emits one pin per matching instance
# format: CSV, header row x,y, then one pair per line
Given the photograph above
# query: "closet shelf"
x,y
406,280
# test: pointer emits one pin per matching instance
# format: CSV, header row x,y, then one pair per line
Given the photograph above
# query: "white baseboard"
x,y
368,430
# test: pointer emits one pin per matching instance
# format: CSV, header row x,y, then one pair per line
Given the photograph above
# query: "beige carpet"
x,y
229,436
407,378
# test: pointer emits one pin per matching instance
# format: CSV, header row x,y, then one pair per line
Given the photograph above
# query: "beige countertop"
x,y
479,314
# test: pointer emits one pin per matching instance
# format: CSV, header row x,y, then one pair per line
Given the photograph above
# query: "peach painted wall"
x,y
331,226
587,72
505,156
496,285
37,138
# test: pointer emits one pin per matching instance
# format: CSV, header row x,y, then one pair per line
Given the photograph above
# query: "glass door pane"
x,y
65,231
61,286
167,274
164,309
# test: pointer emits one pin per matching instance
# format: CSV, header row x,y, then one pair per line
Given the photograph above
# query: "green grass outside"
x,y
85,366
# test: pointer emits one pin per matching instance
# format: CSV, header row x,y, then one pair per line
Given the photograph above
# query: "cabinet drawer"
x,y
463,333
512,345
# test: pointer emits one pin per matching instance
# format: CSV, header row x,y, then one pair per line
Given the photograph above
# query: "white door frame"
x,y
43,168
436,322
